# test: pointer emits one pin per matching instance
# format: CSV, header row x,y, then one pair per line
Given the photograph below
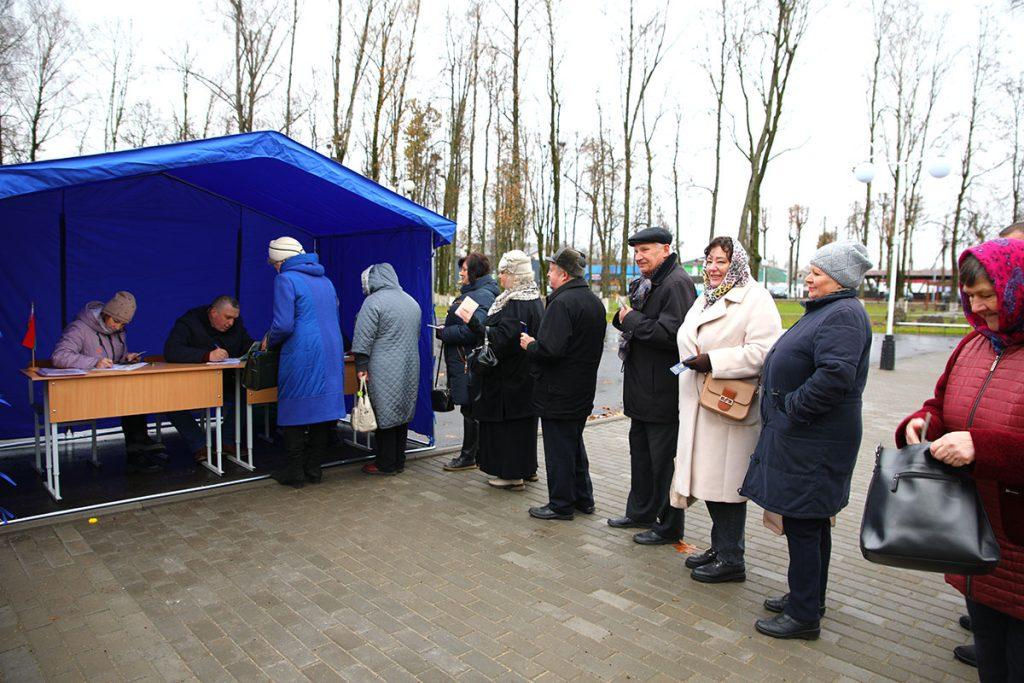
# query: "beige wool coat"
x,y
713,452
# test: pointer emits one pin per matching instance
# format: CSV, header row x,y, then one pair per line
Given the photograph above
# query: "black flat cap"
x,y
652,235
572,261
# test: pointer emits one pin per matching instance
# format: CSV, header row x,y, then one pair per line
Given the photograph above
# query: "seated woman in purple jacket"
x,y
96,339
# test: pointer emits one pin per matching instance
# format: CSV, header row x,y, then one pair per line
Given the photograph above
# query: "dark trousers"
x,y
998,643
728,522
566,464
390,448
810,548
470,433
304,456
134,429
184,421
652,453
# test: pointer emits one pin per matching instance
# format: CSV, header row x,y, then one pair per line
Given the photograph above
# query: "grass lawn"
x,y
790,310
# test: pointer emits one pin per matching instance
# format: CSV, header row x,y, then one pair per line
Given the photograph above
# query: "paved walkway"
x,y
432,576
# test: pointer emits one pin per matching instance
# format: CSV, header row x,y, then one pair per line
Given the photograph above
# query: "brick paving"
x,y
433,576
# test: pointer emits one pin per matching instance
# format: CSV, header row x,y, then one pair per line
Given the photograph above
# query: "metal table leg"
x,y
237,458
208,463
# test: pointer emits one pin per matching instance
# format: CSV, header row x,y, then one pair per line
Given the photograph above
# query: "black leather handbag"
x,y
925,515
261,369
441,397
482,357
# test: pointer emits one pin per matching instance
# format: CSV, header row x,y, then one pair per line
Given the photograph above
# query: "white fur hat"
x,y
283,248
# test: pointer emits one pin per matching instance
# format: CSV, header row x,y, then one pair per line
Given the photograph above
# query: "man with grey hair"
x,y
203,334
566,354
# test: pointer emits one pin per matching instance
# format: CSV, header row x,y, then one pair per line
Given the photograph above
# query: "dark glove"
x,y
437,332
699,363
475,325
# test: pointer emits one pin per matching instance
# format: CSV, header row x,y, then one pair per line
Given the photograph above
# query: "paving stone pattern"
x,y
434,576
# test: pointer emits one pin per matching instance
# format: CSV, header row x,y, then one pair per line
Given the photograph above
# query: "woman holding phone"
x,y
502,394
726,335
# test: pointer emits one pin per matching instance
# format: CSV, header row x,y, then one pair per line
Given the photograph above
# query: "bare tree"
x,y
797,221
642,52
1014,89
398,93
881,28
459,70
475,15
675,180
119,59
602,181
764,231
914,70
768,43
288,116
342,124
142,125
648,137
716,69
983,66
555,146
13,33
254,27
380,57
52,41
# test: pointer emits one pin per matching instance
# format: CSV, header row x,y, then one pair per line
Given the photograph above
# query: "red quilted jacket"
x,y
984,395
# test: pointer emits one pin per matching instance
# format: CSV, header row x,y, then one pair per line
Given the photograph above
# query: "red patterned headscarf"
x,y
1003,260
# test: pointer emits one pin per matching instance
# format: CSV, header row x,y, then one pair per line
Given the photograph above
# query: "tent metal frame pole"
x,y
63,263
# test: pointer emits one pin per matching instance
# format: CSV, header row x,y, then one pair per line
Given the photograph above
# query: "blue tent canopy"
x,y
179,224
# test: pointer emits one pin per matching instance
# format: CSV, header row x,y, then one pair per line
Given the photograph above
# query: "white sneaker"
x,y
507,484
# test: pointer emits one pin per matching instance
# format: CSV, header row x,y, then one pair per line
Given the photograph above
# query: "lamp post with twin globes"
x,y
865,173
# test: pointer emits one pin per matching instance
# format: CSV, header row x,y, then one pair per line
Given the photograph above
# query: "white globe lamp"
x,y
864,172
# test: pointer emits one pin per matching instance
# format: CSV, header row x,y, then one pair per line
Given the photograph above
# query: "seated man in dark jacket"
x,y
204,334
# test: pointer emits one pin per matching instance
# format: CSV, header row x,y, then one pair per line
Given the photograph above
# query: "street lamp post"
x,y
865,173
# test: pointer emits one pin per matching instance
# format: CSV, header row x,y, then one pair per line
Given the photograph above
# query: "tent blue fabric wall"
x,y
179,224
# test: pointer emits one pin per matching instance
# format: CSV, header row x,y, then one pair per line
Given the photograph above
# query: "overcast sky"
x,y
824,118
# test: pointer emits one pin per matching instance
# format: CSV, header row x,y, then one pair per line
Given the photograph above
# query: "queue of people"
x,y
725,407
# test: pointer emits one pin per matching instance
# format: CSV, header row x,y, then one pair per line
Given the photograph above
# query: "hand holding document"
x,y
466,309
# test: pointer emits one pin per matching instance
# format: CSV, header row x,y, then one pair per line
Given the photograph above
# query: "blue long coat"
x,y
310,378
812,383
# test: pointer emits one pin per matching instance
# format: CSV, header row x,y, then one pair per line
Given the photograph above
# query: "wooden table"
x,y
156,388
266,397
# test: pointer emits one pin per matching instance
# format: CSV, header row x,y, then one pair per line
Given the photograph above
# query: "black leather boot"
x,y
466,459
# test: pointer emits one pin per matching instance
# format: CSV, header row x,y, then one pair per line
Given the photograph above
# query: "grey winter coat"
x,y
87,339
388,332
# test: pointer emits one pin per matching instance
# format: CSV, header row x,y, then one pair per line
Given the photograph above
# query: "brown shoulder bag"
x,y
729,398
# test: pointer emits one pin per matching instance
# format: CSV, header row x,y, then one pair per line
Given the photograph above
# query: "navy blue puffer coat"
x,y
812,383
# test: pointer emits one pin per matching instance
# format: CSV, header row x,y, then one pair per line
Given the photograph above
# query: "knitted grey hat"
x,y
844,262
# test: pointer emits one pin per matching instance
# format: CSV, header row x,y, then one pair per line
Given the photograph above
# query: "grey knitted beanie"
x,y
844,262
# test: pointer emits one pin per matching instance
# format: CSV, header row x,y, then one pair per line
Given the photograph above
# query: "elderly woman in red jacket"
x,y
977,421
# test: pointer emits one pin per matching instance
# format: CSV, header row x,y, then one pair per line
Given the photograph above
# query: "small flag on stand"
x,y
29,341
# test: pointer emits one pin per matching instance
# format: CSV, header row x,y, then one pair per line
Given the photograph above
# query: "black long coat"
x,y
459,340
812,383
504,392
567,352
650,392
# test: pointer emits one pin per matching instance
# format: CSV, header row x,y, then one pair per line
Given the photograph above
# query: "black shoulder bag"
x,y
261,369
441,397
923,514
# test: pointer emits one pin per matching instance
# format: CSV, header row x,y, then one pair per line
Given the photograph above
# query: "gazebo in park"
x,y
179,224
